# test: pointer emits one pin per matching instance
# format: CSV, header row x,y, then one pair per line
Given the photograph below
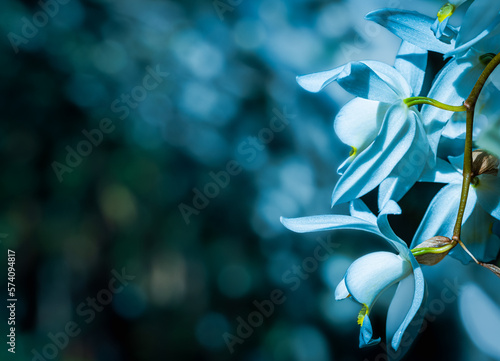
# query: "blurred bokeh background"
x,y
148,150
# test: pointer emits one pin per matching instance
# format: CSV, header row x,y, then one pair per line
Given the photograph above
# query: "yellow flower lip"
x,y
364,312
446,11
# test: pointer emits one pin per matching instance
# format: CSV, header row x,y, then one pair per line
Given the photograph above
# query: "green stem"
x,y
429,101
470,104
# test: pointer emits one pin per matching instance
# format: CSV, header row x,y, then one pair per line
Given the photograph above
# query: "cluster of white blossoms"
x,y
389,126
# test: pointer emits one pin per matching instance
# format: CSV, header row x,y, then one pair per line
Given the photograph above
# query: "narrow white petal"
x,y
398,310
317,81
418,297
345,164
366,334
328,222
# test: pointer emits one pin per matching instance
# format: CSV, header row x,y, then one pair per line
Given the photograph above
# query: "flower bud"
x,y
433,250
484,163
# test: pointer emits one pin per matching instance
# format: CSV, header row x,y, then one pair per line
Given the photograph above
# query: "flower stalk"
x,y
470,104
429,101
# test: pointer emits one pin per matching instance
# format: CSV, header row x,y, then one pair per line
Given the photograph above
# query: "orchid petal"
x,y
370,275
488,194
366,334
489,44
328,222
377,161
366,79
456,127
452,86
411,63
489,31
332,222
439,219
418,297
361,80
408,170
443,172
412,27
359,209
480,12
391,76
457,162
345,164
398,309
341,291
439,29
487,108
477,235
400,305
391,208
317,81
487,105
359,121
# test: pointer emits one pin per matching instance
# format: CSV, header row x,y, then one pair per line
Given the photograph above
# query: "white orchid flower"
x,y
480,28
372,274
382,130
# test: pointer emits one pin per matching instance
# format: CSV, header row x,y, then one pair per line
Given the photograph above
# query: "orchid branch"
x,y
470,104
